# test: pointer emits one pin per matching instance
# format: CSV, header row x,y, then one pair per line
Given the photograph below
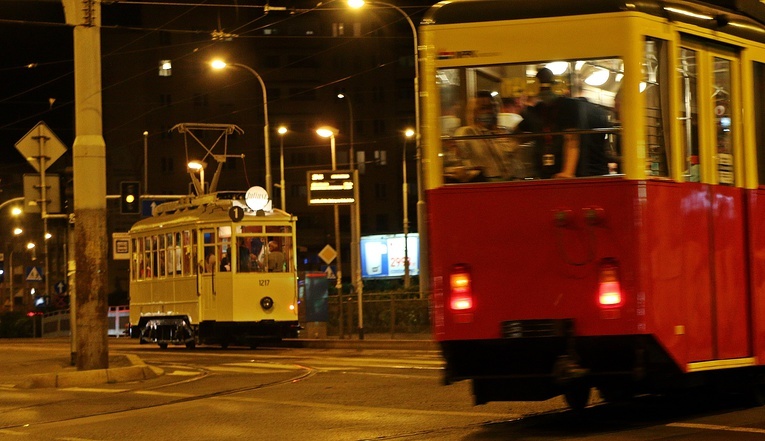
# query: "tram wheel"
x,y
224,345
191,345
162,345
577,396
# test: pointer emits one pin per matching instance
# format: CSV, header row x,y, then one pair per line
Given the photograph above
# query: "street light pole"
x,y
422,225
282,131
219,64
145,162
405,195
358,284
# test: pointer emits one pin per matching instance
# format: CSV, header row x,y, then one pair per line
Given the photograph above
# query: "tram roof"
x,y
721,12
207,209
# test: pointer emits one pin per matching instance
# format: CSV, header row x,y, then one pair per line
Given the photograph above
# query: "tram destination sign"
x,y
329,187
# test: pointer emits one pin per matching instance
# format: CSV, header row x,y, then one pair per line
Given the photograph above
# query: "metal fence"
x,y
383,313
58,323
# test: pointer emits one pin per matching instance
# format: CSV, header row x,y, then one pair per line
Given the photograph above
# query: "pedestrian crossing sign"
x,y
34,274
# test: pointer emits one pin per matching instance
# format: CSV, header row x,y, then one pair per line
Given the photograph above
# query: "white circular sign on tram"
x,y
256,198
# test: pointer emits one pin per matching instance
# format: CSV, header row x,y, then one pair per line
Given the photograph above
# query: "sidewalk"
x,y
26,364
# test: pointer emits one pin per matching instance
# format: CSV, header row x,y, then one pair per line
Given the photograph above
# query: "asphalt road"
x,y
331,394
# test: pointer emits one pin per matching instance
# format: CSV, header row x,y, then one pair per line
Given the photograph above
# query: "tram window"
x,y
211,250
653,88
189,253
759,118
486,104
147,261
689,118
161,256
721,97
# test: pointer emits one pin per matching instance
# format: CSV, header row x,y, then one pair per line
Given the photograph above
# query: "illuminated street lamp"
x,y
408,133
282,131
198,166
331,132
421,223
17,231
220,64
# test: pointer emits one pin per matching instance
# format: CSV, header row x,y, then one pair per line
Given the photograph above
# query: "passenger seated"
x,y
275,257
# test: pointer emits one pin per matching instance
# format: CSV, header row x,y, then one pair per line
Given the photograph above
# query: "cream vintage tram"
x,y
217,268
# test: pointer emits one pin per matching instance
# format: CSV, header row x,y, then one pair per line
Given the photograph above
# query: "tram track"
x,y
305,373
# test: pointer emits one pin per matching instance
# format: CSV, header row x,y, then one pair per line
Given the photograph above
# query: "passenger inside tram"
x,y
534,101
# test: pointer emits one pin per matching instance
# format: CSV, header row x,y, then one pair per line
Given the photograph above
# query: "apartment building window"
x,y
382,222
381,157
166,164
165,99
361,161
338,29
379,127
381,190
201,100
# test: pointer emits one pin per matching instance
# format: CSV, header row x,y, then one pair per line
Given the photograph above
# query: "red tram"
x,y
645,279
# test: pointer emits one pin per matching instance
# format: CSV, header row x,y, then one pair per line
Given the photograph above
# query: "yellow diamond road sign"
x,y
41,142
327,254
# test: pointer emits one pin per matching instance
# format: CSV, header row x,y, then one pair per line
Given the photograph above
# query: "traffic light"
x,y
130,193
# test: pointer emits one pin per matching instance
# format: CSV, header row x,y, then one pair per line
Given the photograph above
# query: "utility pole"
x,y
89,153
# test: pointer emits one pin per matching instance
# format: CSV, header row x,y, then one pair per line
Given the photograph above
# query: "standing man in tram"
x,y
567,155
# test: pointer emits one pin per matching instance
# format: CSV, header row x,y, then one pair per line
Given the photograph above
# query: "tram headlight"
x,y
266,303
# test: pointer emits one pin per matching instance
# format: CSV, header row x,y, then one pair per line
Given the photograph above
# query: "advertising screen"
x,y
383,255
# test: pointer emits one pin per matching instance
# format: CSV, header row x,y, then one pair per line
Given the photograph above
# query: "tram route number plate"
x,y
264,282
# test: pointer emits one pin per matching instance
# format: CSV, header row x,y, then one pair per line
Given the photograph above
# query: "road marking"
x,y
238,370
93,389
717,427
163,394
184,373
316,405
291,367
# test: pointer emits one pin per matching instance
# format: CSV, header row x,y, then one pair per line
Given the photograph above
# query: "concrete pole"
x,y
89,160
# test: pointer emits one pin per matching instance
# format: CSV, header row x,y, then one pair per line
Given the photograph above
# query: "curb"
x,y
136,372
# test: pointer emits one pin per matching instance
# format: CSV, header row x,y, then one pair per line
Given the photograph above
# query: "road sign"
x,y
330,272
60,288
120,246
34,274
327,254
33,193
41,141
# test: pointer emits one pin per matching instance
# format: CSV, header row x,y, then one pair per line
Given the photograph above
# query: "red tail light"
x,y
461,289
609,288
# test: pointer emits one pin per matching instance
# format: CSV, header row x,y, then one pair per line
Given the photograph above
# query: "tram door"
x,y
208,270
710,90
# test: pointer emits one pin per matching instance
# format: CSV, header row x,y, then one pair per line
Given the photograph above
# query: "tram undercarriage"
x,y
178,330
620,367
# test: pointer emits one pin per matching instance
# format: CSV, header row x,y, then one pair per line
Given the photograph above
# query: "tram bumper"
x,y
168,330
543,359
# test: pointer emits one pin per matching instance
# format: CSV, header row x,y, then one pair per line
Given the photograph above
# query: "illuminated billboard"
x,y
383,255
